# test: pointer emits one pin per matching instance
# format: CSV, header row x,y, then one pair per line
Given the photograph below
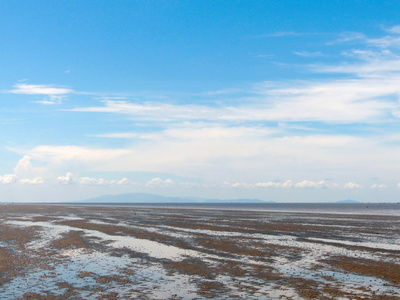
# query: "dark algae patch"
x,y
386,271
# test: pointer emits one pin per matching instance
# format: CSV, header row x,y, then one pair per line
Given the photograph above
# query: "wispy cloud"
x,y
222,92
55,93
287,33
394,29
350,36
282,33
309,54
264,55
391,40
335,101
119,135
385,42
365,96
371,55
35,89
59,154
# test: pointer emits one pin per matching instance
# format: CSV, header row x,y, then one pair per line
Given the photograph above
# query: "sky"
x,y
290,101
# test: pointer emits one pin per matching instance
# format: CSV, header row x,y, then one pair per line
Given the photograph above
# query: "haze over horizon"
x,y
275,100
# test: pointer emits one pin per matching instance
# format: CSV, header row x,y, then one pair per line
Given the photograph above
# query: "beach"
x,y
133,252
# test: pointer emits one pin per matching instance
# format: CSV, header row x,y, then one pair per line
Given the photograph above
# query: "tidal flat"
x,y
107,252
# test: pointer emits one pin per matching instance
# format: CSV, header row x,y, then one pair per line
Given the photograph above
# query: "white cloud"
x,y
37,89
268,184
67,179
7,179
36,180
154,111
51,101
55,94
212,151
174,147
311,184
24,173
123,181
351,185
242,185
159,183
273,184
92,181
301,184
380,56
378,186
304,184
24,167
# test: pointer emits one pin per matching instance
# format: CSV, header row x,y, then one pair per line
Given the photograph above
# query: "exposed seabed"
x,y
86,252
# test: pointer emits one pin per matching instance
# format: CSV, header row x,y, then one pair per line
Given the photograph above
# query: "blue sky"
x,y
278,100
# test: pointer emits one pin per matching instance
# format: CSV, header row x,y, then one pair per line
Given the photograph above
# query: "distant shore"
x,y
384,209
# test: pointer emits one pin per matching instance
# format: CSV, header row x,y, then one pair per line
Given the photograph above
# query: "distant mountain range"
x,y
151,198
348,201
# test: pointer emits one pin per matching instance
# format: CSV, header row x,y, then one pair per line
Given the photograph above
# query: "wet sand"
x,y
86,252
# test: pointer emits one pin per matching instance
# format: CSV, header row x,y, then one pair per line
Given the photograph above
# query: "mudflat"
x,y
104,252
